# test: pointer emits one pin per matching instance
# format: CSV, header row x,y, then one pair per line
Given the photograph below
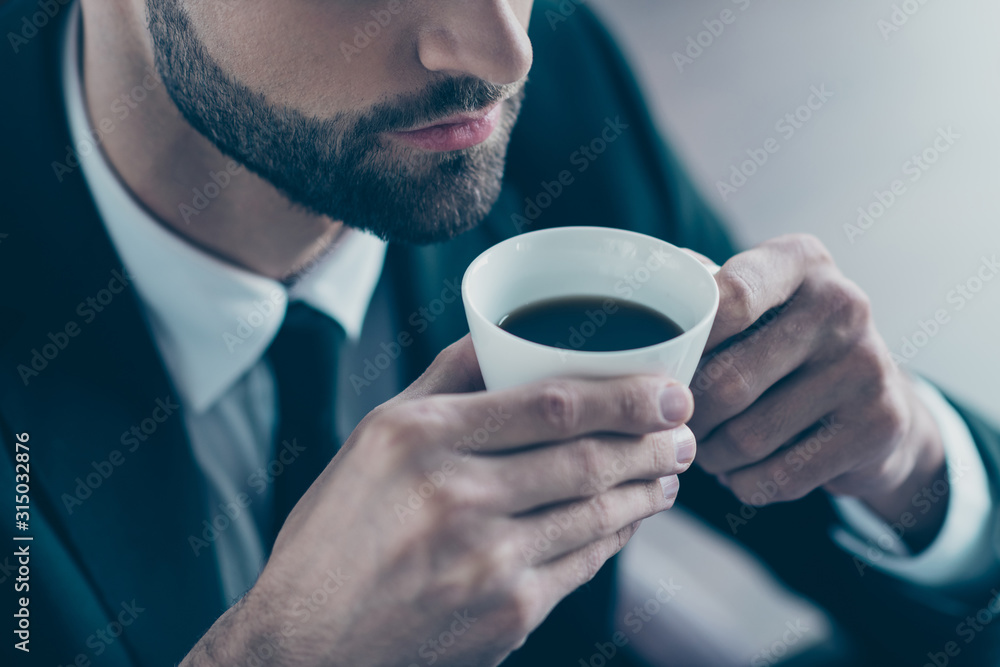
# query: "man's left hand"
x,y
798,391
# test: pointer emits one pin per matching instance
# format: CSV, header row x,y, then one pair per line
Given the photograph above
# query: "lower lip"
x,y
454,136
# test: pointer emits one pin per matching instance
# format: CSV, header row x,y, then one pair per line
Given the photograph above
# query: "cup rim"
x,y
638,236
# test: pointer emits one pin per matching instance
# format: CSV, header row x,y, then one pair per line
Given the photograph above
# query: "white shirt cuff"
x,y
962,552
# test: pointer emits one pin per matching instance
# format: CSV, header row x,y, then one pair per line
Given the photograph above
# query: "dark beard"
x,y
342,167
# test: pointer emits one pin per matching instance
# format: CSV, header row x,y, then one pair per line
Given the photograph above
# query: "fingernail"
x,y
684,445
670,485
675,403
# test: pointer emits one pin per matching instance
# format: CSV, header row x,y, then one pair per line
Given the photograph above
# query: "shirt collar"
x,y
212,321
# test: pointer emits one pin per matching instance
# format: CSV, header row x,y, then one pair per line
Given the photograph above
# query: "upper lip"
x,y
457,119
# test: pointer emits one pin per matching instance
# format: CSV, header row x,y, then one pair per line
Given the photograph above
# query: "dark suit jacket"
x,y
123,552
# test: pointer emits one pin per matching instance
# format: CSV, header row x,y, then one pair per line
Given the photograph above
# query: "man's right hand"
x,y
454,520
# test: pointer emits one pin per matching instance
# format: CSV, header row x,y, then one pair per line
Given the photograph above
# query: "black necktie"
x,y
304,357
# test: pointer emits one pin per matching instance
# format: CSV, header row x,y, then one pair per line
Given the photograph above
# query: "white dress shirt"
x,y
198,306
195,304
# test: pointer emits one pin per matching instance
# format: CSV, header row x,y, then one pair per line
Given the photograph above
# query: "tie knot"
x,y
306,338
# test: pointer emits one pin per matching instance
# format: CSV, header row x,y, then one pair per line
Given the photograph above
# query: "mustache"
x,y
441,99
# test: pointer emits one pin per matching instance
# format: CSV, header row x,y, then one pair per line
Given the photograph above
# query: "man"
x,y
195,324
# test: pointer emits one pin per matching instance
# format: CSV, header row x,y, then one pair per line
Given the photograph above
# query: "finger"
x,y
552,533
586,466
455,370
765,277
776,419
728,382
548,412
823,454
561,577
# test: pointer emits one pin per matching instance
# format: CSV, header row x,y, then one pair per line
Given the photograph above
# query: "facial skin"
x,y
348,165
272,86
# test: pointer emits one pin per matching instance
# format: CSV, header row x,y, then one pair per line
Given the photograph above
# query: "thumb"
x,y
454,371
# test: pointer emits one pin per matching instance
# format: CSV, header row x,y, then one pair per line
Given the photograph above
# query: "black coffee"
x,y
590,324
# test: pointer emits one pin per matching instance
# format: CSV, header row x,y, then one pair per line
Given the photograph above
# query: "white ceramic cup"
x,y
586,261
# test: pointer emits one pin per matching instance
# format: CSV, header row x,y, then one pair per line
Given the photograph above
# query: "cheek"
x,y
315,57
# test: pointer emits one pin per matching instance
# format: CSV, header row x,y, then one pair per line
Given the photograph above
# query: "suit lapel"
x,y
112,470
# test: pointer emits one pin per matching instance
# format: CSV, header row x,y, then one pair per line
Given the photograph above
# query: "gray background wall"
x,y
892,93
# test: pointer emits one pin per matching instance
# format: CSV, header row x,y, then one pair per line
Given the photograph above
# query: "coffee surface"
x,y
590,324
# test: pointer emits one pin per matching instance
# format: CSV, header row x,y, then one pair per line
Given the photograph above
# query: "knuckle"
x,y
889,424
499,566
421,420
636,403
811,248
454,507
559,405
521,609
589,458
662,457
653,499
848,310
602,514
734,387
742,438
737,306
870,368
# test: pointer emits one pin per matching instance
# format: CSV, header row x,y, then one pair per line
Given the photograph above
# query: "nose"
x,y
480,38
